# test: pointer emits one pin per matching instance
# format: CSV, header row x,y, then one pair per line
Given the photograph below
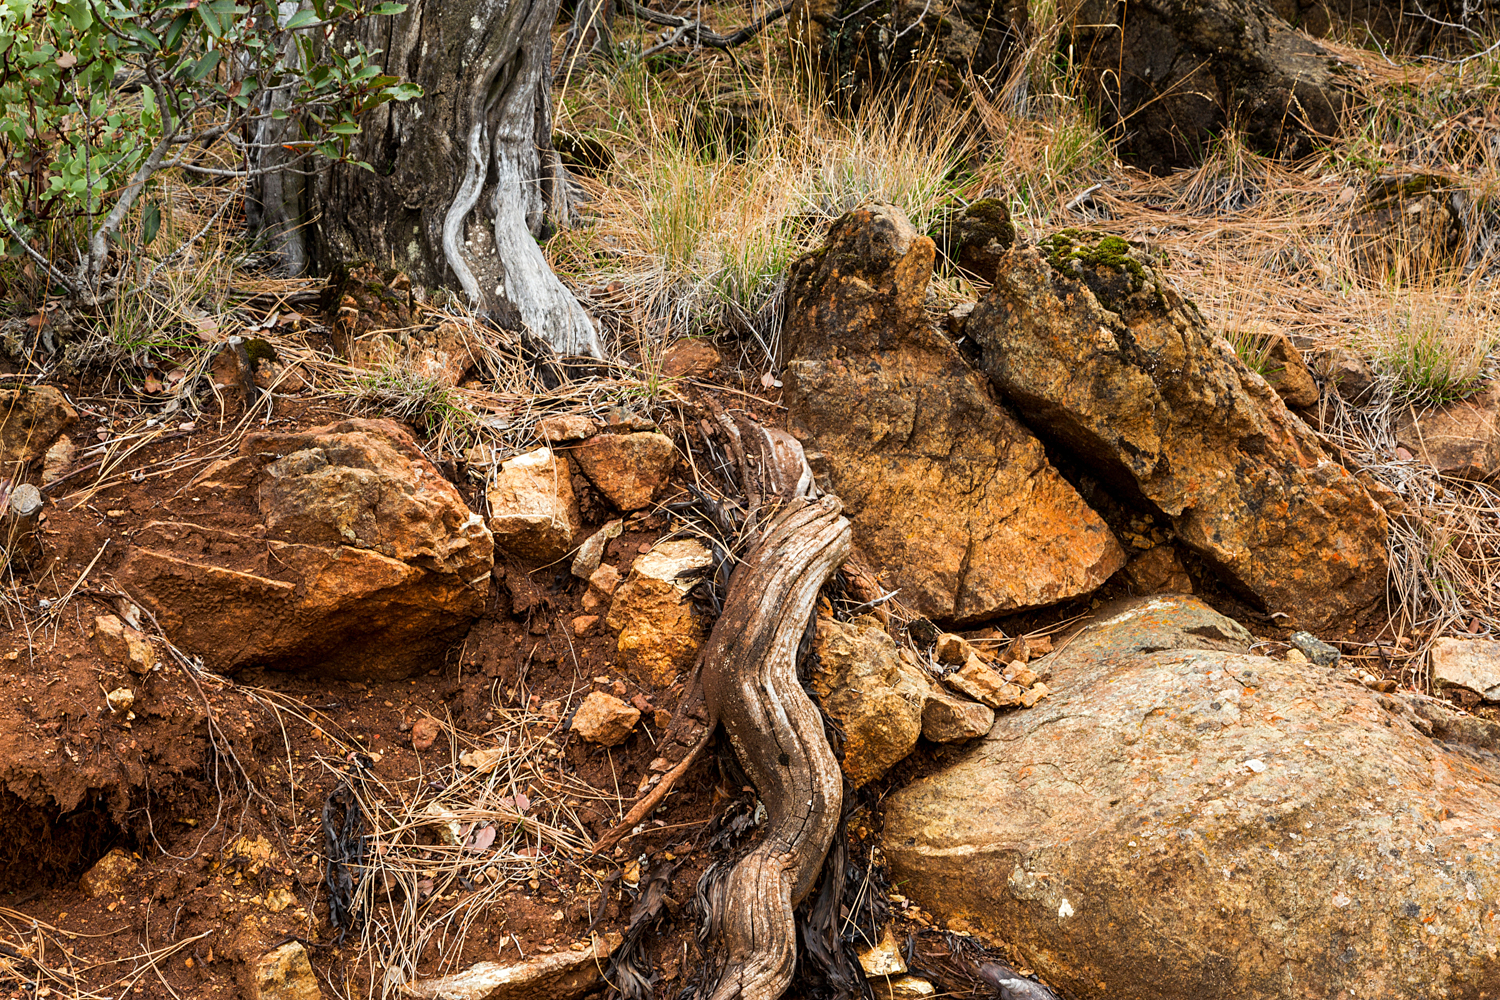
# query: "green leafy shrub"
x,y
99,96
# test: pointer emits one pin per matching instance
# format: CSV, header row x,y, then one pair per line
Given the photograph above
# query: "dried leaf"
x,y
482,838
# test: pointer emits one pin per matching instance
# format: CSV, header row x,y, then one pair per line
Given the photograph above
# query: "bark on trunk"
x,y
750,685
465,179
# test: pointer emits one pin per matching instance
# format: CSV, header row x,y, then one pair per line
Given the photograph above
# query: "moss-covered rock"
x,y
976,237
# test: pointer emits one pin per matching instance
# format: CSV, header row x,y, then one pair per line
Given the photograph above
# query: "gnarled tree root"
x,y
749,673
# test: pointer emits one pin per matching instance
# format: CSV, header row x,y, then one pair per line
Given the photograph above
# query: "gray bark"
x,y
465,180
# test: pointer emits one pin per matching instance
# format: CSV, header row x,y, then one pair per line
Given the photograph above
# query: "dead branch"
x,y
698,34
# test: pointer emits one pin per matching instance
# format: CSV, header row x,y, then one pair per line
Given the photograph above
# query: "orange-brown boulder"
x,y
1095,350
365,561
950,495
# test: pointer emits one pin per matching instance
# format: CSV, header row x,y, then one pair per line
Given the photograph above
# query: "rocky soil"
x,y
291,709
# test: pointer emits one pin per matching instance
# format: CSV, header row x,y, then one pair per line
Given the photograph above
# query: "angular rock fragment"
x,y
533,513
110,875
984,683
119,643
949,494
1257,809
861,681
31,420
1460,439
690,358
284,973
565,427
1158,570
630,470
1316,650
1096,350
604,719
659,635
1168,76
950,719
1471,664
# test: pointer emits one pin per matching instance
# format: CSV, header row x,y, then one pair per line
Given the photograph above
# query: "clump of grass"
x,y
698,218
1436,353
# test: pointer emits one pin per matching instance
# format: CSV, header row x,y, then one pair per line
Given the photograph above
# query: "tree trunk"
x,y
465,180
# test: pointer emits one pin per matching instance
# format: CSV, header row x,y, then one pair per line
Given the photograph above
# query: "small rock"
x,y
284,974
602,585
533,513
1019,673
1315,649
30,420
882,958
591,552
690,358
583,623
985,684
424,733
621,418
1295,655
565,427
658,634
109,876
946,718
119,643
629,469
605,580
1158,571
1350,374
1473,664
1019,650
367,563
953,649
862,682
58,460
904,988
120,699
558,976
1288,373
1034,694
605,719
1460,439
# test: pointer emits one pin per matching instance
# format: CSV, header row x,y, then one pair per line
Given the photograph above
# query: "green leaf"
x,y
387,9
301,19
344,128
206,65
210,19
150,223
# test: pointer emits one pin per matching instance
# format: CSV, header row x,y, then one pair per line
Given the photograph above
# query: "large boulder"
x,y
1095,349
949,493
1185,821
1168,76
355,558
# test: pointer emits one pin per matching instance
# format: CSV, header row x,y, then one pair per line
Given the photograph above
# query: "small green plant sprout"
x,y
97,97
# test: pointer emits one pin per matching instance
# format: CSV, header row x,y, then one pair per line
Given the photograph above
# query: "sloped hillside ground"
x,y
280,718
